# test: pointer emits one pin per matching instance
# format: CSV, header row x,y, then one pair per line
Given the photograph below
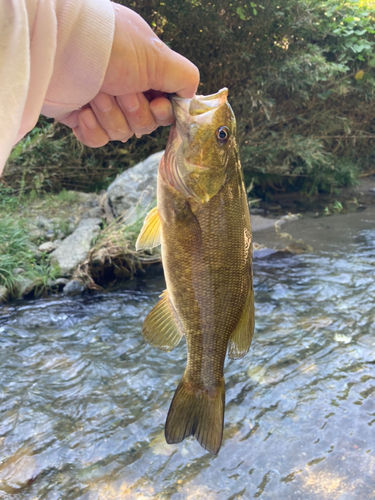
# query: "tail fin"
x,y
197,413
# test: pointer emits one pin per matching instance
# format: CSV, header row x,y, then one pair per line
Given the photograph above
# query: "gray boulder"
x,y
134,190
75,248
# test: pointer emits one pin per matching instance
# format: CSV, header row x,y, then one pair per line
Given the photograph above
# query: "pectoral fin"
x,y
150,235
240,340
161,327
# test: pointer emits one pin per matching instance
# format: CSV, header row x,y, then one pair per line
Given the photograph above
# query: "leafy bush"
x,y
301,80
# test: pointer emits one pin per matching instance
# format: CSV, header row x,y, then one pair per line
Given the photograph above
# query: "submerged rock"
x,y
74,287
135,189
75,248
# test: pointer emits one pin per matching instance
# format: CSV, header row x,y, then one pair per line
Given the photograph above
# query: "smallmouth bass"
x,y
202,222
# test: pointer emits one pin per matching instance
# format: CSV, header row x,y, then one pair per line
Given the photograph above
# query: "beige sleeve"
x,y
53,58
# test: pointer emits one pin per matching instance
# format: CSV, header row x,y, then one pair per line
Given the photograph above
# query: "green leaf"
x,y
241,13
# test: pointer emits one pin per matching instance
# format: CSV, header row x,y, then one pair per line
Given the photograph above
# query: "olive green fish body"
x,y
206,252
207,256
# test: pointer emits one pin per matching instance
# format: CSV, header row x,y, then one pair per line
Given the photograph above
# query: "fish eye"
x,y
222,134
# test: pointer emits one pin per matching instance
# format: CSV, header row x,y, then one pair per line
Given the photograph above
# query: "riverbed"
x,y
83,399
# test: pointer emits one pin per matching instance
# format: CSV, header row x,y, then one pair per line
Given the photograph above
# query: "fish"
x,y
202,223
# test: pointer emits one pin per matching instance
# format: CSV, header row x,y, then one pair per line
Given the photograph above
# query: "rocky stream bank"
x,y
88,241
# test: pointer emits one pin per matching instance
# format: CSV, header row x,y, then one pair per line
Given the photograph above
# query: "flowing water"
x,y
83,399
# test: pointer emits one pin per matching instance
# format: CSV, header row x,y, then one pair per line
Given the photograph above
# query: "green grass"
x,y
8,200
14,252
42,275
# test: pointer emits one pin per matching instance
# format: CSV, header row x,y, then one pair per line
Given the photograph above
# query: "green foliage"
x,y
52,159
301,80
304,120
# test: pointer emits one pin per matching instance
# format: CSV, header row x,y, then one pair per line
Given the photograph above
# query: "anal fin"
x,y
161,327
150,235
242,335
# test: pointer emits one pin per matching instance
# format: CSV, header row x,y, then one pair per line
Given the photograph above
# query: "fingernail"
x,y
103,102
89,119
130,102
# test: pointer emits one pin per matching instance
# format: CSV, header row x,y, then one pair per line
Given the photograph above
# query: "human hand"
x,y
132,100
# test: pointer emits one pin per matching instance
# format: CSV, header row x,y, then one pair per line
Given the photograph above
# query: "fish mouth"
x,y
220,96
186,109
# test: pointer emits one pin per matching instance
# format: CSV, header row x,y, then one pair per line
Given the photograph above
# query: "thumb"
x,y
174,73
140,61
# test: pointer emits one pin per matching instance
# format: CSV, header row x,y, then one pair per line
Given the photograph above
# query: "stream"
x,y
83,399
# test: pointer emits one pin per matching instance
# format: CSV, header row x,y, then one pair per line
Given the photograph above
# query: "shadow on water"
x,y
83,399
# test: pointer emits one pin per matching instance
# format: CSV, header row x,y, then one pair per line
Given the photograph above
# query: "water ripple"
x,y
83,399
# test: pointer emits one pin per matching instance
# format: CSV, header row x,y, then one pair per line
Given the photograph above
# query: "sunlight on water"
x,y
83,399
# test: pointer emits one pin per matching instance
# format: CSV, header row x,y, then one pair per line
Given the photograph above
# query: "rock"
x,y
74,287
89,199
109,217
60,282
25,285
136,187
257,211
43,223
47,247
49,235
74,249
17,271
71,227
96,212
4,294
37,256
36,234
259,223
